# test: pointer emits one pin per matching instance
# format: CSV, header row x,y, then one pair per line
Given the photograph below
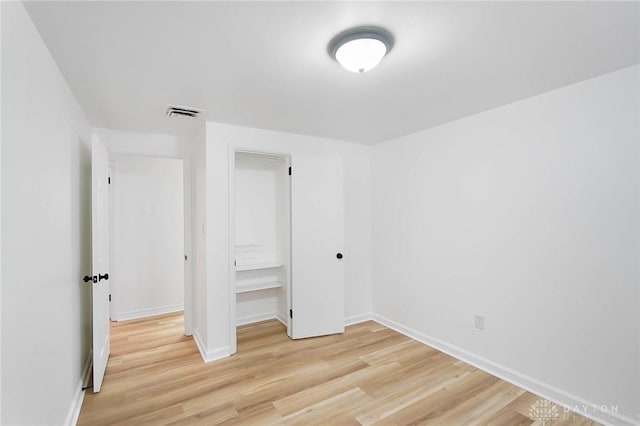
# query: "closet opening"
x,y
262,238
286,242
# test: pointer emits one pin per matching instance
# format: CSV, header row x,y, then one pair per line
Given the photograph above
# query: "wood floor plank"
x,y
309,396
324,412
483,405
368,375
403,397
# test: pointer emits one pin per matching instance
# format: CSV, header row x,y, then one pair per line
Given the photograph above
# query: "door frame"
x,y
188,247
233,150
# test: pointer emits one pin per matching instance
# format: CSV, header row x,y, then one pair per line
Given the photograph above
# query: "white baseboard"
x,y
256,318
143,313
355,319
212,354
200,345
551,393
78,397
283,320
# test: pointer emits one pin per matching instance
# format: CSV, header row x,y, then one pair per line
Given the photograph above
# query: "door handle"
x,y
88,278
339,255
103,277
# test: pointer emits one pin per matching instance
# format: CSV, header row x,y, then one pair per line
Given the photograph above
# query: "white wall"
x,y
526,214
357,248
198,235
0,217
151,144
258,184
147,261
257,306
45,231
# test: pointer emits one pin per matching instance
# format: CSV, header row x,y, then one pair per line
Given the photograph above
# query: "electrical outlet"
x,y
478,322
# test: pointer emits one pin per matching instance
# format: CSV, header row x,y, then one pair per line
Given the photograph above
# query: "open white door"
x,y
100,258
317,239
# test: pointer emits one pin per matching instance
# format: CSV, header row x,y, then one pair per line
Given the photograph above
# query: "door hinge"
x,y
290,313
185,257
234,263
289,171
109,180
109,298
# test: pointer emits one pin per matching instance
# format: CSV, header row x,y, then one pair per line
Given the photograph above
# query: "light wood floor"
x,y
368,375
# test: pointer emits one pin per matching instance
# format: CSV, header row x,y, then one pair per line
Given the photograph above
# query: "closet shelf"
x,y
258,286
255,266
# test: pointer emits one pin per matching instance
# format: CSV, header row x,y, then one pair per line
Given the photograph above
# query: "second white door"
x,y
317,240
100,259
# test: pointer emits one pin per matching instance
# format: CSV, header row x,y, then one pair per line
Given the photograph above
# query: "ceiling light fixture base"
x,y
362,48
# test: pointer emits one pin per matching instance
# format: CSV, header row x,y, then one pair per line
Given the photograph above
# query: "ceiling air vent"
x,y
180,111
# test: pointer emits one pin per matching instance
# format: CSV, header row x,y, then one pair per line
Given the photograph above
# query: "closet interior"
x,y
262,237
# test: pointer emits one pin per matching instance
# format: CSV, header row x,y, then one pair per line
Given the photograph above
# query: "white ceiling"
x,y
265,64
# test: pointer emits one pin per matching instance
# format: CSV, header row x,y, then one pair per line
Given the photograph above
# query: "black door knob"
x,y
339,255
103,277
88,278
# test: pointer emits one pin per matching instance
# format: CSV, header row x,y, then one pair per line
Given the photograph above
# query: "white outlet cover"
x,y
478,321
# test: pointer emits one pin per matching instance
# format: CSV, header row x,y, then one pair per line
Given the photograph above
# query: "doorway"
x,y
148,236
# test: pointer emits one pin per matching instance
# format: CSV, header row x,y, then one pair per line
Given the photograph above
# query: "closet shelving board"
x,y
258,287
257,266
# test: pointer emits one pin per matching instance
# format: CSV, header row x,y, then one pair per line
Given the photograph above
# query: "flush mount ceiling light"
x,y
361,49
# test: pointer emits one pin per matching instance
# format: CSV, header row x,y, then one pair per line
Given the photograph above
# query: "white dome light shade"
x,y
361,55
361,49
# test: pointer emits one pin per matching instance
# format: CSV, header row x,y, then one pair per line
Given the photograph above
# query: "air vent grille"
x,y
180,111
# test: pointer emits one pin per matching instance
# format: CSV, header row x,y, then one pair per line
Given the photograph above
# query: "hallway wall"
x,y
147,246
46,197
